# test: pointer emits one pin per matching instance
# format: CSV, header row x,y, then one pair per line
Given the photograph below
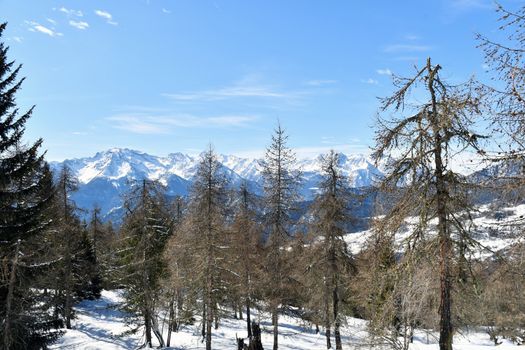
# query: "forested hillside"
x,y
400,249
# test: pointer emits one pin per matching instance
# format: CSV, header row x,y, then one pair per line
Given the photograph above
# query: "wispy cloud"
x,y
52,21
385,71
79,24
321,82
395,48
370,81
70,12
249,86
166,11
107,16
164,124
228,92
18,39
37,27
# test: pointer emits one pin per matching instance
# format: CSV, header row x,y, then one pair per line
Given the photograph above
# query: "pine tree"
x,y
144,233
23,202
419,149
280,195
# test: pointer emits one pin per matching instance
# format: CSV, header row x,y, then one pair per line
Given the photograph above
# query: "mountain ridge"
x,y
106,176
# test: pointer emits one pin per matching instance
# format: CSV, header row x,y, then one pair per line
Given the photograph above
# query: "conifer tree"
x,y
24,176
203,233
245,252
68,236
144,233
280,195
419,149
330,263
178,273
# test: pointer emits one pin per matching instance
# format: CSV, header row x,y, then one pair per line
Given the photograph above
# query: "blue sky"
x,y
172,76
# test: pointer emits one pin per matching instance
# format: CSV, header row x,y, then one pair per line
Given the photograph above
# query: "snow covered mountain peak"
x,y
108,174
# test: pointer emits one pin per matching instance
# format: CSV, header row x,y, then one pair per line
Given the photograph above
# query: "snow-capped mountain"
x,y
106,176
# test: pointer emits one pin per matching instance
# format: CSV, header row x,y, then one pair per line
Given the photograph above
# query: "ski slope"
x,y
99,325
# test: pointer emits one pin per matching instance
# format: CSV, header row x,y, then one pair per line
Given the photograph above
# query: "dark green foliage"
x,y
144,233
24,322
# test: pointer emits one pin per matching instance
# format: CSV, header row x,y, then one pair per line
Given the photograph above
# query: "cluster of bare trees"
x,y
225,251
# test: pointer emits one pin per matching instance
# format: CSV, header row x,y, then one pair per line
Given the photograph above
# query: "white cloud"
x,y
71,12
370,81
407,48
385,71
136,125
79,24
321,82
165,11
228,92
52,21
36,27
164,124
18,39
107,16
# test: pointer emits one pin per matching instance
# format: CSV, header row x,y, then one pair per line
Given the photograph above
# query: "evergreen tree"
x,y
24,324
280,195
145,231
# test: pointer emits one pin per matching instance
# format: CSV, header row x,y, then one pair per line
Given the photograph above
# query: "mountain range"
x,y
105,177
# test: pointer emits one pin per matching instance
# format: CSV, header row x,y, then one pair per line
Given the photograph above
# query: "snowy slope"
x,y
98,326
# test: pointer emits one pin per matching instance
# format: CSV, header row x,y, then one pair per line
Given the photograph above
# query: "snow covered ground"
x,y
99,326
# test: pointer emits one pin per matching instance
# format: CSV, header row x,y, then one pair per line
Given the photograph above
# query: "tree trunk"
x,y
248,320
171,321
8,337
204,319
275,322
445,323
156,331
327,322
337,323
68,290
328,334
255,341
209,321
147,325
